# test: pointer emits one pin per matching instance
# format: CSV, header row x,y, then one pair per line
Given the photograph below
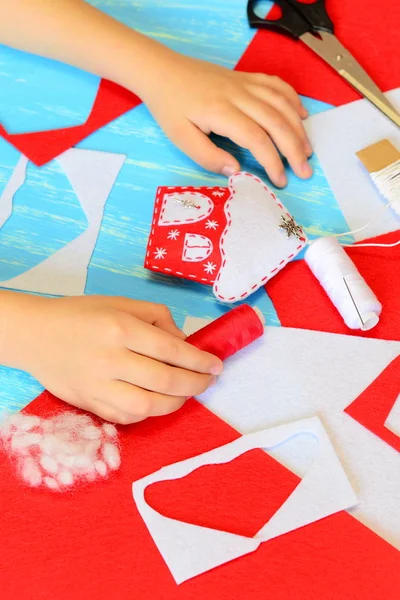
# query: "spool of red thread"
x,y
230,333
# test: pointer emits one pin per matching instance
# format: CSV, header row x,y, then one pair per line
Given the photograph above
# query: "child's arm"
x,y
188,97
121,359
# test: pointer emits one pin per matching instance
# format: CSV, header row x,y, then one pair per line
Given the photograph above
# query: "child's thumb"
x,y
198,146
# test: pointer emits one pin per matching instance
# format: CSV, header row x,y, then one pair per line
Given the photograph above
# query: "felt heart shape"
x,y
216,494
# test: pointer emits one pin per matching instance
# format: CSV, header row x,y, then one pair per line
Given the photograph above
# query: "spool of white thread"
x,y
387,181
343,283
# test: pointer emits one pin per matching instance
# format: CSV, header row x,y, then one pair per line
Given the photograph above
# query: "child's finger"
x,y
153,313
280,131
193,142
131,404
271,98
155,376
286,90
155,343
243,130
281,87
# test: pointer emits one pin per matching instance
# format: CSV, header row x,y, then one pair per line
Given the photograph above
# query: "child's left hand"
x,y
191,98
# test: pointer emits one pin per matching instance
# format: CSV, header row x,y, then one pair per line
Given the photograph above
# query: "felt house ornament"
x,y
234,238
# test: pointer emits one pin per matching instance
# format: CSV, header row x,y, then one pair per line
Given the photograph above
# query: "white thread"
x,y
60,451
344,285
388,183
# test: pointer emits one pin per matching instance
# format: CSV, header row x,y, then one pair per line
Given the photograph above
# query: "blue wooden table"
x,y
37,94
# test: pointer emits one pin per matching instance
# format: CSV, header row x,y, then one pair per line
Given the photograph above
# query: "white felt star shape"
x,y
160,253
173,234
209,267
218,193
211,224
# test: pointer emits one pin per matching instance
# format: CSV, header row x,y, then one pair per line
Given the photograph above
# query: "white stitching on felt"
x,y
190,191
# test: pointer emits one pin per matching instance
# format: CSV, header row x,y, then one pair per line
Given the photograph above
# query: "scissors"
x,y
310,23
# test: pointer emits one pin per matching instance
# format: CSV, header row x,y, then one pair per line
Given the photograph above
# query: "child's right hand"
x,y
121,359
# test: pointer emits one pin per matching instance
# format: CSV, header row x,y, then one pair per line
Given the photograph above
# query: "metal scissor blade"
x,y
328,47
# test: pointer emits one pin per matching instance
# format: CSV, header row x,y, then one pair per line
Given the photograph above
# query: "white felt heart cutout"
x,y
190,550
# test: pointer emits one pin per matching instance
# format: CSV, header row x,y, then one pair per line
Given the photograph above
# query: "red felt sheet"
x,y
368,29
301,302
40,147
373,406
93,544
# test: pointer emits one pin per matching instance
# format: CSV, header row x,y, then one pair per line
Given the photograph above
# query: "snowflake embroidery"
x,y
209,267
173,234
211,224
160,253
218,193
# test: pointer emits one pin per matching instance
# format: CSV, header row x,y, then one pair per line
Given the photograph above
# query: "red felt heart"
x,y
216,494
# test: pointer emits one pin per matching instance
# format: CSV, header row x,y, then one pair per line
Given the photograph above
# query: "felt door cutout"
x,y
92,175
190,550
373,407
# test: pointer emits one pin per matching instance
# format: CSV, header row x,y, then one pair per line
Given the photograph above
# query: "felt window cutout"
x,y
183,207
336,135
373,407
92,175
239,231
190,550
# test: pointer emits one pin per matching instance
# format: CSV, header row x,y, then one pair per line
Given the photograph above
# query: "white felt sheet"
x,y
336,136
393,420
16,180
293,374
92,175
190,550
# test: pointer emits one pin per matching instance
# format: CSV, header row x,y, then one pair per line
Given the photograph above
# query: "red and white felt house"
x,y
235,238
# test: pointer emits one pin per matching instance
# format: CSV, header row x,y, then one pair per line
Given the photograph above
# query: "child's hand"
x,y
121,359
191,98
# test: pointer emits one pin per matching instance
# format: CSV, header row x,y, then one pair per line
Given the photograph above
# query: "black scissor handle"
x,y
315,13
297,18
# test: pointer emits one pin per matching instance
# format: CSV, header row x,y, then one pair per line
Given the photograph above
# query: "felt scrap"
x,y
234,238
362,26
301,302
94,544
16,180
92,175
40,147
373,406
